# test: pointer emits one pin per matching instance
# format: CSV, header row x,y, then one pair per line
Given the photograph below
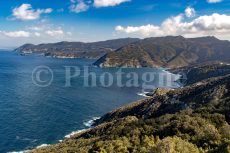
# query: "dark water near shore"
x,y
31,115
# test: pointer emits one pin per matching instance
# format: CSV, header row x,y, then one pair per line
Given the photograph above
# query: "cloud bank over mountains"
x,y
214,24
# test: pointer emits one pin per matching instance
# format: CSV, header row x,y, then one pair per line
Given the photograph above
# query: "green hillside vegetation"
x,y
192,119
197,73
170,51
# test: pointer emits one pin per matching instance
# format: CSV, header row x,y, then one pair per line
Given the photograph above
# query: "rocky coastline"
x,y
194,117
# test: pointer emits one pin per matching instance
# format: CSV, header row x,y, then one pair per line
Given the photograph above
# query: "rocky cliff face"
x,y
168,52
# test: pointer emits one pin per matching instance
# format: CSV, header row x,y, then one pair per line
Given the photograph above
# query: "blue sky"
x,y
41,21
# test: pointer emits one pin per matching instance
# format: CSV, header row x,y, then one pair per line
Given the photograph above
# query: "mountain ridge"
x,y
76,49
169,51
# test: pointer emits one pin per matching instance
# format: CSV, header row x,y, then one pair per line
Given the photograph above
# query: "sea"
x,y
39,107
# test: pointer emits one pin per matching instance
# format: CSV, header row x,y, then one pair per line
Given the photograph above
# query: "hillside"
x,y
197,73
192,119
76,49
168,52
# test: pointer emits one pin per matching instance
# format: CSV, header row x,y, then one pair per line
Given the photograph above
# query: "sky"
x,y
47,21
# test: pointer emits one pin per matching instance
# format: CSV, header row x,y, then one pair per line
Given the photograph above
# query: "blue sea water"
x,y
31,115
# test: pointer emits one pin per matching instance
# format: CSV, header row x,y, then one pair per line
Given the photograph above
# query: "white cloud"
x,y
16,34
36,28
214,1
37,34
78,6
40,32
41,25
69,33
54,33
190,12
215,24
48,30
144,30
25,12
107,3
81,6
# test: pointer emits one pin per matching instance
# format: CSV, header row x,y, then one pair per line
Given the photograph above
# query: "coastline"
x,y
88,124
55,56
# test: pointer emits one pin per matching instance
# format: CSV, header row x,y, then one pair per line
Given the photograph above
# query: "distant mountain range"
x,y
76,49
170,51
